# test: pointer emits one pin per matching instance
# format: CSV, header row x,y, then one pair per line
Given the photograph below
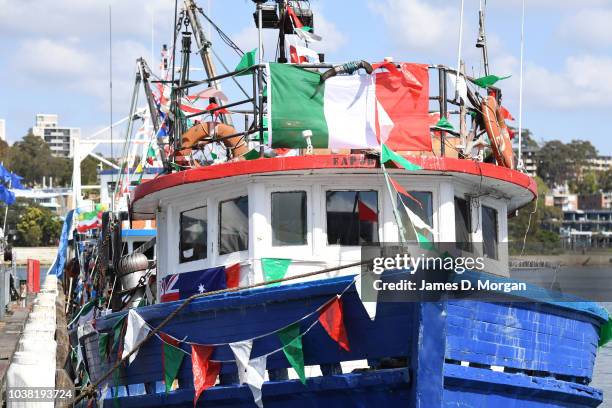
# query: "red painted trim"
x,y
317,162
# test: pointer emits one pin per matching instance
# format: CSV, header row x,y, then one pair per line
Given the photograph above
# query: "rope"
x,y
91,389
535,209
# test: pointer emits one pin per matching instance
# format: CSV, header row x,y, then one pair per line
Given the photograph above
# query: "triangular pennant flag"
x,y
424,242
232,276
302,31
103,345
368,305
489,80
416,221
242,354
205,372
274,268
172,358
384,124
443,123
387,154
117,329
246,62
401,190
255,377
252,154
292,347
605,333
138,168
137,330
366,213
506,113
331,318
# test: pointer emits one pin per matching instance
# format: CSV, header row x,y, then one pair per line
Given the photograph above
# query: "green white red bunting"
x,y
137,330
251,370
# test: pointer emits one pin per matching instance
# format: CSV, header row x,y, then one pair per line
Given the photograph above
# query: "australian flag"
x,y
183,285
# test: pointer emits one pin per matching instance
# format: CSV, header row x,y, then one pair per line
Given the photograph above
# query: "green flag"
x,y
424,242
443,123
489,80
103,345
117,328
605,333
173,358
387,154
292,347
274,268
247,61
251,154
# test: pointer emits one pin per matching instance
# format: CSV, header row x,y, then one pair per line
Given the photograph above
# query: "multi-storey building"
x,y
3,130
58,138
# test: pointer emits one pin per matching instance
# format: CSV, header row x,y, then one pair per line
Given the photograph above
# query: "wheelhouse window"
x,y
289,218
463,224
489,232
233,225
420,204
352,217
193,237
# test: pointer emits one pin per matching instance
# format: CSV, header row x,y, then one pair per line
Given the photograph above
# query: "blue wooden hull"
x,y
420,354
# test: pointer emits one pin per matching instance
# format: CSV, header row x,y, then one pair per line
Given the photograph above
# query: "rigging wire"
x,y
226,39
520,124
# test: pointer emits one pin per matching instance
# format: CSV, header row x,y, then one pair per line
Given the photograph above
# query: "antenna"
x,y
481,42
110,82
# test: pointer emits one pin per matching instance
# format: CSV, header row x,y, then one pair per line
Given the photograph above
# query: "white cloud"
x,y
588,28
582,83
420,26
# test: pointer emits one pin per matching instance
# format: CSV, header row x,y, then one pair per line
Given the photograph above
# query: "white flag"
x,y
242,353
256,372
297,52
460,85
416,221
137,330
369,306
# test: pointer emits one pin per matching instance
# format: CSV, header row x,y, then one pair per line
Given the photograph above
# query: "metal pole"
x,y
6,213
442,90
282,57
260,80
204,45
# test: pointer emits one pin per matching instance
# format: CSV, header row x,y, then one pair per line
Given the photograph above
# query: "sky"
x,y
54,54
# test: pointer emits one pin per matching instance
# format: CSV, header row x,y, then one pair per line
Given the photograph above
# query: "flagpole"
x,y
520,124
6,213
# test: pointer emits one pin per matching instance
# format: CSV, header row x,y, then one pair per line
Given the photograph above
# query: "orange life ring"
x,y
498,132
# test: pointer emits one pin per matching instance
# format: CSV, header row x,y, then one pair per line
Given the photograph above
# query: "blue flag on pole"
x,y
60,260
6,195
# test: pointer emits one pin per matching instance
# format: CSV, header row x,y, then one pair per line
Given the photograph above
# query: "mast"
x,y
204,45
482,37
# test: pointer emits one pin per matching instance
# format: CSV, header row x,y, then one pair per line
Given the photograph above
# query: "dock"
x,y
11,327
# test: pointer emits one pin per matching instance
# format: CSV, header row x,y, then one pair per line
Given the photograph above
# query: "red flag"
x,y
205,372
332,321
295,58
217,112
405,99
296,20
403,191
232,276
506,113
366,213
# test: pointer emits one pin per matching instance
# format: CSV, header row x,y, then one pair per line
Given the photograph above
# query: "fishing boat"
x,y
260,296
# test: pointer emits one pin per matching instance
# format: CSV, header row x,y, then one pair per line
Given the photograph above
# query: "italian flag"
x,y
351,111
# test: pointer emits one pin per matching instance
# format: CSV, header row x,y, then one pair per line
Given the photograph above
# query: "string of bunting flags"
x,y
132,328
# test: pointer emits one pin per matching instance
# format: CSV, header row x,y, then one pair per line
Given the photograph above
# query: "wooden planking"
x,y
370,389
522,336
476,387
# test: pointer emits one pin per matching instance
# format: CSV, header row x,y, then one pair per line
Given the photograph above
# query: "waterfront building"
x,y
59,138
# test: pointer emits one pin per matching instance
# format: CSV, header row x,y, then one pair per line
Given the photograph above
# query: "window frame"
x,y
469,221
323,199
497,231
231,197
180,223
433,209
308,215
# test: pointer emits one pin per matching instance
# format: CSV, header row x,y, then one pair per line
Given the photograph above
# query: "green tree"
x,y
38,226
588,184
559,163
